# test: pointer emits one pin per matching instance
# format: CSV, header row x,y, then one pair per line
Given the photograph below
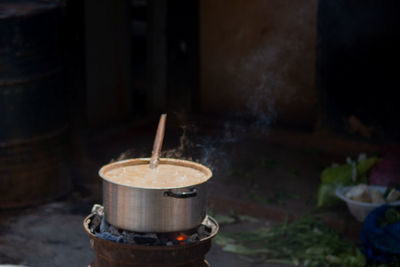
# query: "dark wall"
x,y
258,57
182,55
358,62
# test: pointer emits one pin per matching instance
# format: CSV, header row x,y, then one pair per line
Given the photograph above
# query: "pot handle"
x,y
191,193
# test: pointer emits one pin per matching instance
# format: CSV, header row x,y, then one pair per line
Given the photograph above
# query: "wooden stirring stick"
x,y
158,141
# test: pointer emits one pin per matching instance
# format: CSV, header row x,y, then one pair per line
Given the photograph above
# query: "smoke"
x,y
128,154
185,144
259,91
262,104
214,153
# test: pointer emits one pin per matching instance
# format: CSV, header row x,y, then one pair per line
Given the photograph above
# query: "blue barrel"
x,y
33,109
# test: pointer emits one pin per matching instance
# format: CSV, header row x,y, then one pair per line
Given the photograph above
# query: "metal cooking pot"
x,y
154,210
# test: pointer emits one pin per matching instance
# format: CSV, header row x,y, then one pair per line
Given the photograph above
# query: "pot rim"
x,y
141,161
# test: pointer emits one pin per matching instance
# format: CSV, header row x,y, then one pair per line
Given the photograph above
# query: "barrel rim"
x,y
10,10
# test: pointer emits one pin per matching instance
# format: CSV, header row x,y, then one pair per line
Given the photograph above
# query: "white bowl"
x,y
360,210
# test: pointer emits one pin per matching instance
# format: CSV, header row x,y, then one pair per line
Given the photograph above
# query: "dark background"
x,y
267,94
156,57
72,70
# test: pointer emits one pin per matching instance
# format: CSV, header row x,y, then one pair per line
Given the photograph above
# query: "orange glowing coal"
x,y
181,237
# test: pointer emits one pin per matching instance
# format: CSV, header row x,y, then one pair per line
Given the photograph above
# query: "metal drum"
x,y
33,112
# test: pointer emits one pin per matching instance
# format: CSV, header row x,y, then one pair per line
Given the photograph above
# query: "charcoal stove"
x,y
118,247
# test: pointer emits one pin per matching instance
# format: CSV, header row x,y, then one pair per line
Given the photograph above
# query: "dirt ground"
x,y
270,175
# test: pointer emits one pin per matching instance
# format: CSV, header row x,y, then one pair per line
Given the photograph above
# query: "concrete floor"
x,y
53,235
269,176
47,235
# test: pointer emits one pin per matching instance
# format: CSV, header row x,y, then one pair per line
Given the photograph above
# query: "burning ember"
x,y
181,237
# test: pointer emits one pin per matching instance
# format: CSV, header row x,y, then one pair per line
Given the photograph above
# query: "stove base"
x,y
113,254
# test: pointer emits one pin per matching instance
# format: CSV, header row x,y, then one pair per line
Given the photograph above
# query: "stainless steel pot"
x,y
154,210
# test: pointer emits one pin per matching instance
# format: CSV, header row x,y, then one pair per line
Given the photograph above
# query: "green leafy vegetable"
x,y
348,174
306,241
341,174
364,166
246,218
223,219
326,196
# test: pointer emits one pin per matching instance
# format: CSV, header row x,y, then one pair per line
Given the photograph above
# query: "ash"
x,y
102,229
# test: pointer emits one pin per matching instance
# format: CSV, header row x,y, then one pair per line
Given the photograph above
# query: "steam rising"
x,y
261,104
259,93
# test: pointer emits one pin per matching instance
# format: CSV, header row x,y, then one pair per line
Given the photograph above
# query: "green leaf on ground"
x,y
306,241
224,219
222,240
246,218
239,249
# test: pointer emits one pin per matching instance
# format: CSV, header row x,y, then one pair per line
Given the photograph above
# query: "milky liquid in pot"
x,y
164,176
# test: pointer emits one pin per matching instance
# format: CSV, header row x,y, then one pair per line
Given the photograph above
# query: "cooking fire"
x,y
118,247
154,210
101,229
